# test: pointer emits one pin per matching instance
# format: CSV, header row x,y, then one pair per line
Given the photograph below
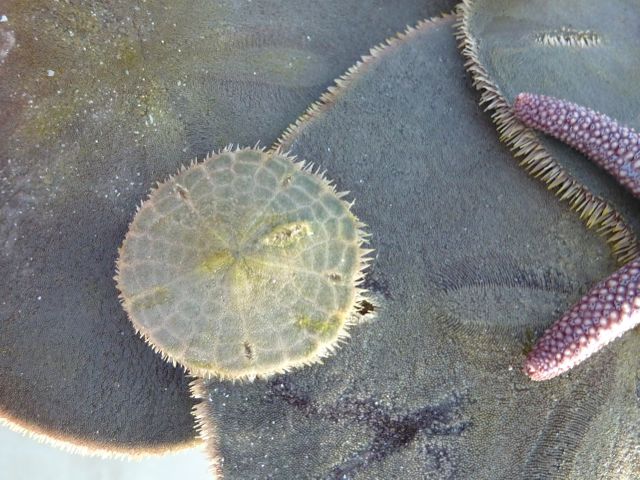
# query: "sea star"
x,y
391,431
613,306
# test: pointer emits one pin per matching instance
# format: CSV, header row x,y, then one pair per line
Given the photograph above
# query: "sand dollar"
x,y
243,265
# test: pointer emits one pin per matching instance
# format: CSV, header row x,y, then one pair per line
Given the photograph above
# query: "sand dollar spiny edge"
x,y
243,265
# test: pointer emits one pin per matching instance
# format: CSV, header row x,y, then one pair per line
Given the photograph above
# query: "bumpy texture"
x,y
470,256
135,88
610,309
613,306
614,147
583,50
245,264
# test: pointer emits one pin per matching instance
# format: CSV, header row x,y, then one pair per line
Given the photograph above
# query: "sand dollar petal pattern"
x,y
245,264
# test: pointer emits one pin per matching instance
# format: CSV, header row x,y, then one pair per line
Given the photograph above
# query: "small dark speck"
x,y
248,350
335,277
366,308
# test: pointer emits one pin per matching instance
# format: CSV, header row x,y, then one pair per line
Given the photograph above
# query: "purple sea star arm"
x,y
614,147
610,309
613,306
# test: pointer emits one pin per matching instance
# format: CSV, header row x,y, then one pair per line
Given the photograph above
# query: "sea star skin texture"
x,y
613,306
612,146
609,309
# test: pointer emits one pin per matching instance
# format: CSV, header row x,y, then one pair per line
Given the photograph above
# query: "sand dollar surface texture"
x,y
245,264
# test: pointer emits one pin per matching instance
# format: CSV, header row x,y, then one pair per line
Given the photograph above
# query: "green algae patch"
x,y
229,270
321,327
287,235
216,261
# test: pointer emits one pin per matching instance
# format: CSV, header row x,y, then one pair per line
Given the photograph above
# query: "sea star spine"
x,y
602,139
609,309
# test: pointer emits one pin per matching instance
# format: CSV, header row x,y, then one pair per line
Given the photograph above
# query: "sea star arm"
x,y
612,146
613,306
609,309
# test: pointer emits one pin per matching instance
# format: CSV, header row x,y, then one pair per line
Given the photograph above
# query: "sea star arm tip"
x,y
610,309
613,306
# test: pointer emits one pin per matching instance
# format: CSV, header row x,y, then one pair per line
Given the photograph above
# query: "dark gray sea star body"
x,y
470,255
98,102
585,51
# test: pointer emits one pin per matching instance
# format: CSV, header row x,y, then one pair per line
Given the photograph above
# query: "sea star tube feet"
x,y
613,306
612,146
